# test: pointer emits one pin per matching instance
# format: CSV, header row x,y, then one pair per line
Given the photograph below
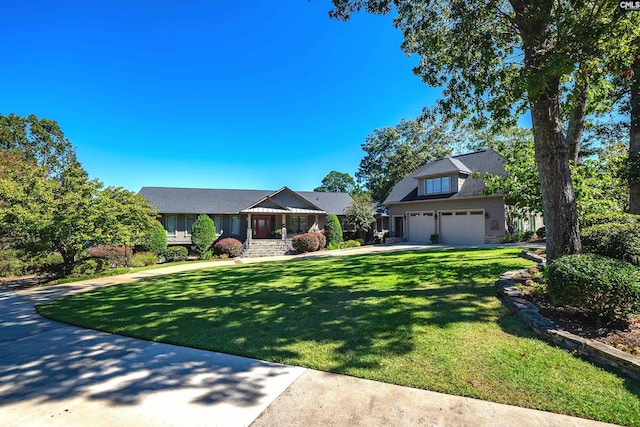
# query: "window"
x,y
172,220
437,185
235,225
299,224
217,220
190,220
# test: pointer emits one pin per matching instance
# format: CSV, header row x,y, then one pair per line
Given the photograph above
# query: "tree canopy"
x,y
497,59
361,213
338,182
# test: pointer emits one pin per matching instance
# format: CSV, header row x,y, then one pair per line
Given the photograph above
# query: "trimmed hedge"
x,y
307,242
229,246
605,289
155,239
176,253
333,229
615,240
203,234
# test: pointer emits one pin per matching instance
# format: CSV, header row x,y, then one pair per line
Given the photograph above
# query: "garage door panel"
x,y
462,227
421,226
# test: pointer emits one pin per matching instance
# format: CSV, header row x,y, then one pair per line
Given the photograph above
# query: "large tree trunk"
x,y
575,128
634,134
552,158
534,22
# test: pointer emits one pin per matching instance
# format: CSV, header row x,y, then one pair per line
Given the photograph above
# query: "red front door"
x,y
261,226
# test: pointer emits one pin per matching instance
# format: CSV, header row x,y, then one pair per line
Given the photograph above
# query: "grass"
x,y
422,319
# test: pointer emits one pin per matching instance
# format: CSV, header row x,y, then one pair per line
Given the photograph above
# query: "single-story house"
x,y
244,214
446,197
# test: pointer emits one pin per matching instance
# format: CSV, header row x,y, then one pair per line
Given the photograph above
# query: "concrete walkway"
x,y
52,374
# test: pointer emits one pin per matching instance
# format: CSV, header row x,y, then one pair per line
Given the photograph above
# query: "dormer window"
x,y
437,185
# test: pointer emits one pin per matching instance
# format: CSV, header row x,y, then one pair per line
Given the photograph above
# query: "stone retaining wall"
x,y
597,352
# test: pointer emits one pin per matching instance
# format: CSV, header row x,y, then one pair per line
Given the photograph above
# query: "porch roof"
x,y
260,209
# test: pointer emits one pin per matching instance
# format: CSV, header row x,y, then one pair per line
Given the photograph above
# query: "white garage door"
x,y
421,226
462,227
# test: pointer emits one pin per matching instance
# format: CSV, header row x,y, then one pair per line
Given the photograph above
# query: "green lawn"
x,y
421,319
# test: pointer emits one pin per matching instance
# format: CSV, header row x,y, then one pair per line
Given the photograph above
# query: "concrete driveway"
x,y
52,374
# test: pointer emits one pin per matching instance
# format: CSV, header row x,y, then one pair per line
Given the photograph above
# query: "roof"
x,y
483,162
230,201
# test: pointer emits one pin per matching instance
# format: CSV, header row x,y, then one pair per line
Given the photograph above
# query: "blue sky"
x,y
210,94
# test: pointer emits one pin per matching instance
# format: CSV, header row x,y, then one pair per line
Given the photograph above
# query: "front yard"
x,y
421,319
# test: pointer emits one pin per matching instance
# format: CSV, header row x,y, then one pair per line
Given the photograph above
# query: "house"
x,y
247,215
445,197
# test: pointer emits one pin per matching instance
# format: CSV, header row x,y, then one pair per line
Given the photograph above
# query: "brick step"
x,y
264,248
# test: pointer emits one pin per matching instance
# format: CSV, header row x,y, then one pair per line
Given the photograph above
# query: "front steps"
x,y
266,247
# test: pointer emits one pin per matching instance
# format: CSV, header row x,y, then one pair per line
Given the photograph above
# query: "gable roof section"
x,y
229,201
283,201
445,166
486,161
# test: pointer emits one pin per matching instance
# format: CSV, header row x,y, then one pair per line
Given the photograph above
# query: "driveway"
x,y
53,374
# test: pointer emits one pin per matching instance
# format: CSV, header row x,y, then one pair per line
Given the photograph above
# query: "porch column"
x,y
283,235
317,227
249,236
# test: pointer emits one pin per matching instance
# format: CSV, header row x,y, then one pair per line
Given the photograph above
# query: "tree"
x,y
361,213
333,230
394,152
497,59
155,239
338,182
634,137
203,234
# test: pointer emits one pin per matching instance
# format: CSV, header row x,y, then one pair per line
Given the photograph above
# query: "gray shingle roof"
x,y
227,201
486,161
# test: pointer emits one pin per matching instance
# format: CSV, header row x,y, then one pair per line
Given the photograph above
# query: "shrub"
x,y
51,264
230,247
333,245
322,240
605,289
351,244
615,240
203,234
617,217
176,253
541,232
11,263
142,259
435,239
515,237
89,266
333,229
118,256
361,241
155,239
307,242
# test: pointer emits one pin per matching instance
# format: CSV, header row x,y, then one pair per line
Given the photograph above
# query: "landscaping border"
x,y
594,351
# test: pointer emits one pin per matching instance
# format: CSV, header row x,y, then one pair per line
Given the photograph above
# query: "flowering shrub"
x,y
118,256
229,246
307,242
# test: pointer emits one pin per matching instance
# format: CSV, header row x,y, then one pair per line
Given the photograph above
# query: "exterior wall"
x,y
493,207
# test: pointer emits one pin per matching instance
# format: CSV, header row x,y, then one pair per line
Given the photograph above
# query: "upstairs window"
x,y
437,185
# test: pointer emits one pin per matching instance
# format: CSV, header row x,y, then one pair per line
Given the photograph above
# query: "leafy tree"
x,y
634,136
338,182
333,229
203,234
361,213
394,152
155,239
498,59
40,141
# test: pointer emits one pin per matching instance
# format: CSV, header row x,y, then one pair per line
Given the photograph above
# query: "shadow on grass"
x,y
355,310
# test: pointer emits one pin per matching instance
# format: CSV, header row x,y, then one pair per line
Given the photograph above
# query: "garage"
x,y
421,226
462,227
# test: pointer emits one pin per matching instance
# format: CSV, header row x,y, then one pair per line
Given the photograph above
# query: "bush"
x,y
617,217
51,264
11,263
143,259
605,289
333,245
435,239
118,256
176,253
230,247
541,232
333,229
361,241
515,237
615,240
322,240
307,242
90,266
155,239
351,244
203,234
